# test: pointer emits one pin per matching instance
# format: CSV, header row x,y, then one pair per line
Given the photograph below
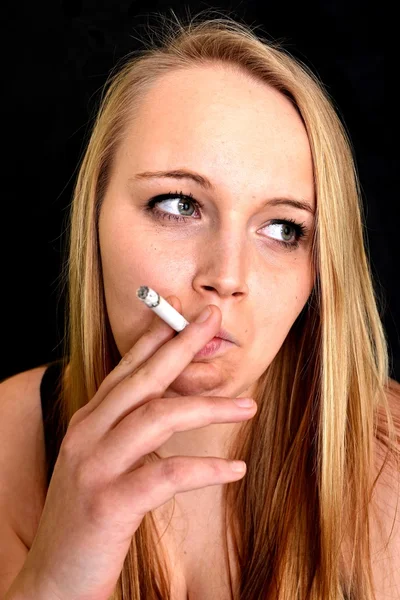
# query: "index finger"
x,y
155,375
155,336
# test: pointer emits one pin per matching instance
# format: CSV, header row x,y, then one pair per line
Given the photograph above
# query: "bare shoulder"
x,y
22,453
385,516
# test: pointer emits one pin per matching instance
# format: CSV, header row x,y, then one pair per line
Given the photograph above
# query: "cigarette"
x,y
161,307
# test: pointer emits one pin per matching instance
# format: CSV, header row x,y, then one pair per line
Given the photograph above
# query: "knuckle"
x,y
87,474
70,443
218,468
126,360
144,374
155,410
100,506
172,470
213,405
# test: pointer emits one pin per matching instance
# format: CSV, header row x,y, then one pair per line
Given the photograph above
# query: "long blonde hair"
x,y
310,449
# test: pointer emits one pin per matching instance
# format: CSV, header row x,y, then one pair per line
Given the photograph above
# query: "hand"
x,y
101,486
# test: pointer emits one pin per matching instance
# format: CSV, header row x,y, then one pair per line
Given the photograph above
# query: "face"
x,y
227,243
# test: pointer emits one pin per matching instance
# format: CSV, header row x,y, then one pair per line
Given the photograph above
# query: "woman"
x,y
219,174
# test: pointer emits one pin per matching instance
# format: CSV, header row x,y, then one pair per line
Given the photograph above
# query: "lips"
x,y
211,348
222,334
225,335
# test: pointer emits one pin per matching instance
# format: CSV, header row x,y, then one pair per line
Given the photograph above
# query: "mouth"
x,y
214,347
225,335
222,341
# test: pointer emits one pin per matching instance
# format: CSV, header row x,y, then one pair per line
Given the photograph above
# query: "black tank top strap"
x,y
53,427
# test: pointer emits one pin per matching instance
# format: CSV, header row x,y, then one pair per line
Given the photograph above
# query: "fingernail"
x,y
203,316
244,402
238,466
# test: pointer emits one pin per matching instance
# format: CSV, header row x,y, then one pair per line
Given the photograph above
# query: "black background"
x,y
58,56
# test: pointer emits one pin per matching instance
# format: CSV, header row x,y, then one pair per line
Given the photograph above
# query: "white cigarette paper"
x,y
162,308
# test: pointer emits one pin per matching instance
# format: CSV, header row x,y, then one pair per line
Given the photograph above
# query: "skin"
x,y
250,142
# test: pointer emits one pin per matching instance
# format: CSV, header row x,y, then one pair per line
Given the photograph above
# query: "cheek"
x,y
125,251
281,308
132,257
285,295
130,264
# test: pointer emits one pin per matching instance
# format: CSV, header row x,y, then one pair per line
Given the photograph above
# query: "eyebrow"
x,y
206,184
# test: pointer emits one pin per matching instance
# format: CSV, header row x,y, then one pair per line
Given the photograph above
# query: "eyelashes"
x,y
300,229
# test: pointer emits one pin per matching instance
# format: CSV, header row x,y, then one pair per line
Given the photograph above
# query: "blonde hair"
x,y
310,450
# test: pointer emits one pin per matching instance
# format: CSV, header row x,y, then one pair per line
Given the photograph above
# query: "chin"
x,y
199,378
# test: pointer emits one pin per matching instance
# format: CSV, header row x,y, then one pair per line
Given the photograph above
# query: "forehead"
x,y
223,123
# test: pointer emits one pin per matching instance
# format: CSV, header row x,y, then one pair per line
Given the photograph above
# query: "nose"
x,y
223,265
